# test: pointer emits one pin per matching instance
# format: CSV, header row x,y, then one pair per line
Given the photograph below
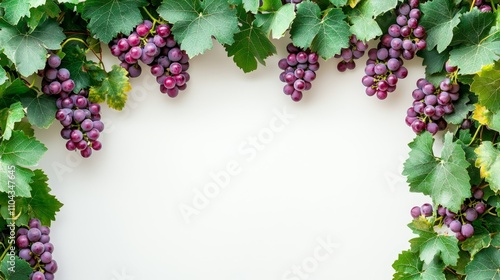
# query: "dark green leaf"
x,y
28,50
107,18
195,22
8,118
41,110
485,265
431,245
306,24
333,34
16,9
439,18
251,45
433,61
19,270
445,179
42,204
475,49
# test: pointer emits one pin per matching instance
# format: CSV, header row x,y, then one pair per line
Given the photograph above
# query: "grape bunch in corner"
x,y
35,248
156,47
80,118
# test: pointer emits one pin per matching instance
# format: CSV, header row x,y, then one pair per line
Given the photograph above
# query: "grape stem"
x,y
98,56
472,5
155,21
475,135
5,252
493,5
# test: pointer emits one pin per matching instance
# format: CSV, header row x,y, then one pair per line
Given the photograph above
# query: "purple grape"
x,y
54,61
455,226
471,214
467,230
34,234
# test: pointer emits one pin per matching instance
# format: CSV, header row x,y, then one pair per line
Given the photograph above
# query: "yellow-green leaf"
x,y
113,89
488,160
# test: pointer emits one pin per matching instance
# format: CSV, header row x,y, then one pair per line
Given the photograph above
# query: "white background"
x,y
331,174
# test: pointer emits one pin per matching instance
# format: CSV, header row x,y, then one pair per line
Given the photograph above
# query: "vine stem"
x,y
475,135
98,56
493,5
472,5
150,16
5,252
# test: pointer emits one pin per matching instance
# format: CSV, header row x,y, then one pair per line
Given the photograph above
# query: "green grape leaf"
x,y
19,270
3,75
277,20
251,5
74,60
195,22
251,45
107,18
461,109
113,89
439,18
445,179
476,49
362,18
434,271
488,160
339,3
485,265
486,86
333,34
41,204
270,5
25,127
306,24
408,266
431,245
15,178
28,50
21,150
433,61
84,72
41,110
9,117
480,240
16,9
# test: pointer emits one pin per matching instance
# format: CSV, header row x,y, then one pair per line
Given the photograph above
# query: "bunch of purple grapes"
x,y
406,36
459,223
384,66
355,51
431,104
157,48
483,6
80,118
35,248
298,71
382,73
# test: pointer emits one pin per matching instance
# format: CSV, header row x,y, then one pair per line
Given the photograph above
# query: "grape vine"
x,y
52,68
